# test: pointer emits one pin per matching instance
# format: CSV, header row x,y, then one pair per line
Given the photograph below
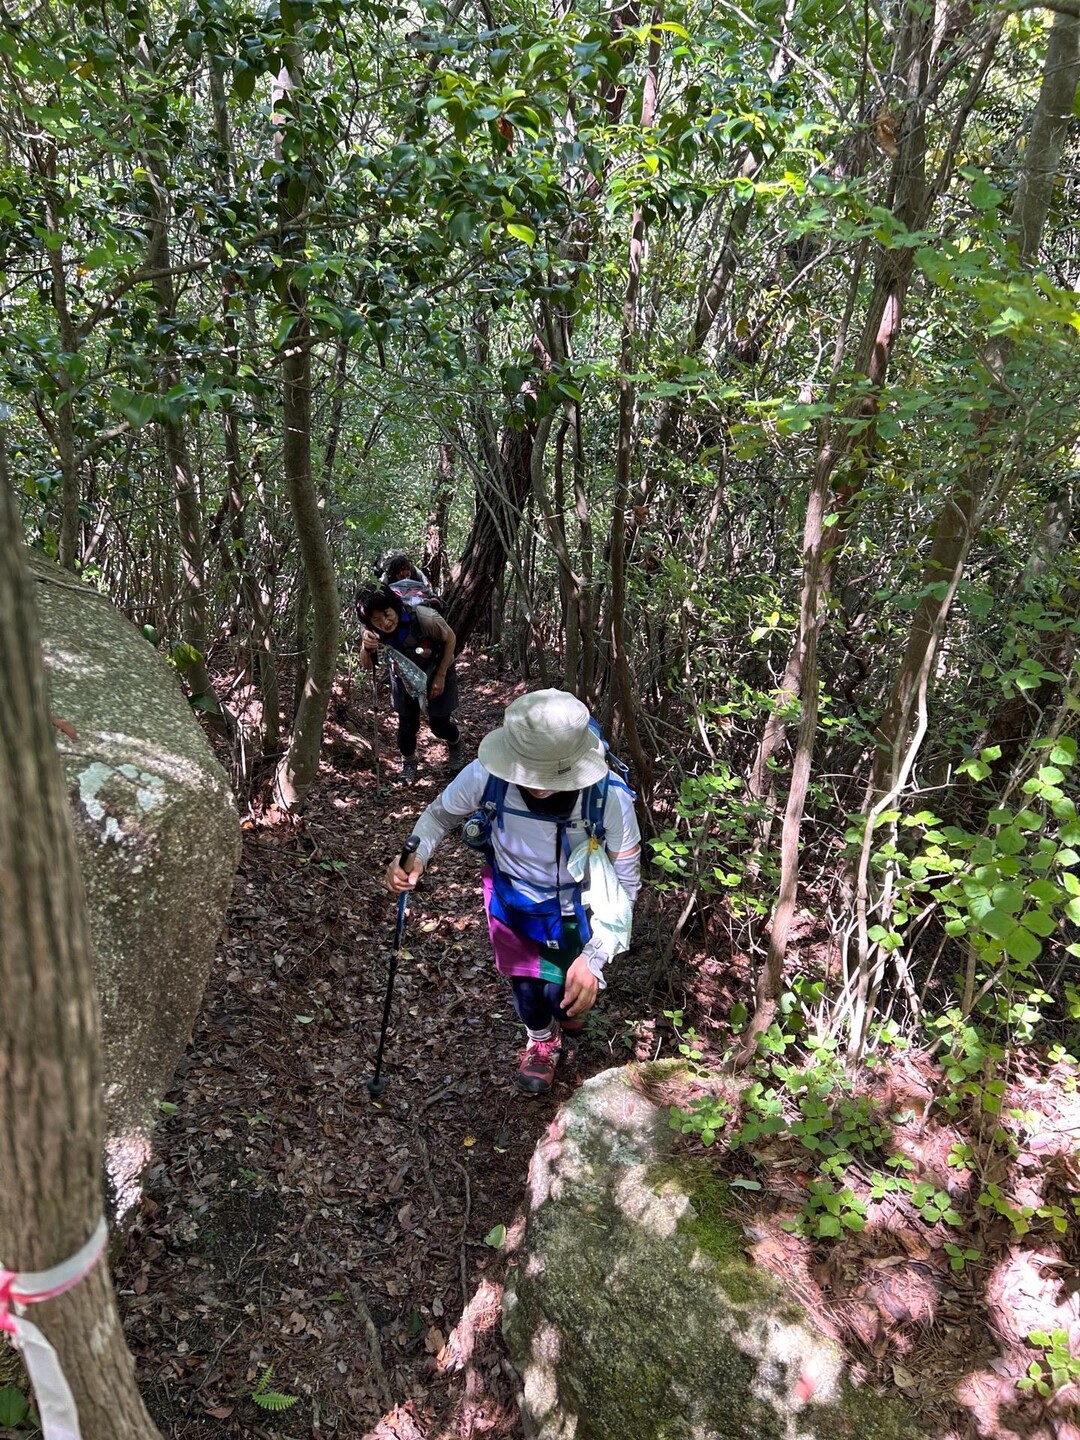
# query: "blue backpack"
x,y
541,920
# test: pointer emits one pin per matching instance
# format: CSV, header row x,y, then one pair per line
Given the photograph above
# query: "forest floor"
x,y
299,1238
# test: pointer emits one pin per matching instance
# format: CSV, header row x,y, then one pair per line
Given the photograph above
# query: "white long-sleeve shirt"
x,y
524,844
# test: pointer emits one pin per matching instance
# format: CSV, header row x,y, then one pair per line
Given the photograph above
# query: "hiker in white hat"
x,y
557,827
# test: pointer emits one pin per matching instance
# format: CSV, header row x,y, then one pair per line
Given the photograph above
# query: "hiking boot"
x,y
538,1062
408,769
455,755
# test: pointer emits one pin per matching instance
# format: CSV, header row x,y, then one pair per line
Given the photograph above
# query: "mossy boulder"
x,y
631,1312
158,841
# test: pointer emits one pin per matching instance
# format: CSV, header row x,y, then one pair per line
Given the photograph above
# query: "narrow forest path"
x,y
290,1220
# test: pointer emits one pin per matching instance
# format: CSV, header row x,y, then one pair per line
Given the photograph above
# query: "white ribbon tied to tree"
x,y
55,1402
611,915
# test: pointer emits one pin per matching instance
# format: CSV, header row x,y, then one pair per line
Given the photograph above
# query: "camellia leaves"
x,y
138,409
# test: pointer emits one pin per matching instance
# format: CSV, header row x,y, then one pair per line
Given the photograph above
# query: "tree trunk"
x,y
50,1104
622,680
236,556
500,499
299,765
196,628
442,495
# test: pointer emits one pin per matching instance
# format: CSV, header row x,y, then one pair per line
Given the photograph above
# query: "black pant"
x,y
537,1002
440,712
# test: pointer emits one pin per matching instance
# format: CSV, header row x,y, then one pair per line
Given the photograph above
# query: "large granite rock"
x,y
158,841
632,1313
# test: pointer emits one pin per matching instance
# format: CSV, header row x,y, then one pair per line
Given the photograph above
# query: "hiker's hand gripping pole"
x,y
376,1085
401,876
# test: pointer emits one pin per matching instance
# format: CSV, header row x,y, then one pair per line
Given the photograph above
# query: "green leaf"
x,y
137,407
522,232
284,330
1022,945
985,196
14,1406
1038,922
997,923
243,80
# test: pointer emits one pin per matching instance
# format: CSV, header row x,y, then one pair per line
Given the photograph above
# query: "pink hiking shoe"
x,y
538,1063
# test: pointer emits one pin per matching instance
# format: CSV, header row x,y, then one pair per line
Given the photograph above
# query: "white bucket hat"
x,y
545,743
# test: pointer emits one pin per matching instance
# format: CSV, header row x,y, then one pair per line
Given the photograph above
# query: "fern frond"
x,y
274,1400
268,1399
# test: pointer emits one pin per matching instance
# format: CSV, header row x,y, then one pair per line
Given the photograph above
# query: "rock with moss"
x,y
158,841
631,1312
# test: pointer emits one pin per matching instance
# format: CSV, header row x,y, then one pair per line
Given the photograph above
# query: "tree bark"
x,y
625,699
236,556
196,627
298,766
43,153
50,1106
501,496
442,495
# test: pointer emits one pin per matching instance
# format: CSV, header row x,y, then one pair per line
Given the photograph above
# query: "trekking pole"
x,y
375,728
376,1085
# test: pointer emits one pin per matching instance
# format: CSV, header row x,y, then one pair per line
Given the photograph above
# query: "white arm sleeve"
x,y
460,798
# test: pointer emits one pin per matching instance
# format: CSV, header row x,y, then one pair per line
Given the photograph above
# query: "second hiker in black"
x,y
426,645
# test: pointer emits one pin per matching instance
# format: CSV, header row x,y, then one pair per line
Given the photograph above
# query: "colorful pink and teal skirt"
x,y
516,955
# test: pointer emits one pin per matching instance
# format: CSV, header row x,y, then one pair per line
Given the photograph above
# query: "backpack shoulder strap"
x,y
592,807
494,797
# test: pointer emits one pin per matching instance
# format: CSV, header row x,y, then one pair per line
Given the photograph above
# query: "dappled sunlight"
x,y
682,1326
126,1159
479,1320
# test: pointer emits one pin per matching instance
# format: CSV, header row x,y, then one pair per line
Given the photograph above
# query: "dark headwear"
x,y
393,562
378,597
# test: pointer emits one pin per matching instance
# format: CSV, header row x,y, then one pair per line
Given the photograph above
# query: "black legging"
x,y
537,1002
408,727
440,713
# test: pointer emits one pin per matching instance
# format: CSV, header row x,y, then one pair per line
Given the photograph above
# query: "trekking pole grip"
x,y
412,844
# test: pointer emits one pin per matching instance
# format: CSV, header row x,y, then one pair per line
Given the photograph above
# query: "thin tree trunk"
x,y
196,627
586,678
44,154
236,556
911,204
50,1102
442,495
298,767
903,723
623,685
